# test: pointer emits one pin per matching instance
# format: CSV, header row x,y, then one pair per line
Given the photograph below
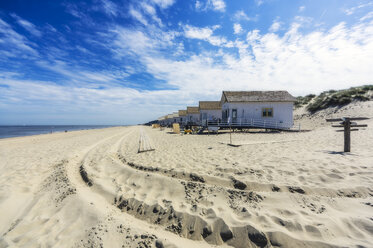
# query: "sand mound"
x,y
93,189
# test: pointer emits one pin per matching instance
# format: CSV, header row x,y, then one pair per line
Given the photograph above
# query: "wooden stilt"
x,y
347,125
347,135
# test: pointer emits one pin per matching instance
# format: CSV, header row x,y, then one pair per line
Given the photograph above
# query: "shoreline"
x,y
93,188
60,131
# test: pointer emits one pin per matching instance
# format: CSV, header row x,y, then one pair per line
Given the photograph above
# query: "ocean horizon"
x,y
11,131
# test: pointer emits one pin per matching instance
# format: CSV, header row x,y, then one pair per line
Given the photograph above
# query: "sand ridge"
x,y
93,189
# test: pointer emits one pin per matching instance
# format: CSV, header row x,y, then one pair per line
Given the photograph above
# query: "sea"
x,y
18,131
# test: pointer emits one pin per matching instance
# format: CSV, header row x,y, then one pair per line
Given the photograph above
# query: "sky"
x,y
127,62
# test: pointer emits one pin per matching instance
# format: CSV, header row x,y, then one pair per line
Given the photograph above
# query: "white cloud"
x,y
198,33
302,8
259,2
72,9
216,5
367,16
241,15
253,35
138,16
163,3
27,25
198,5
237,28
13,43
110,8
352,10
301,63
275,26
151,11
205,34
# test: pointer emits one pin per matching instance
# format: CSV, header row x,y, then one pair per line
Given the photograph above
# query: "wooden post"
x,y
347,125
230,135
347,135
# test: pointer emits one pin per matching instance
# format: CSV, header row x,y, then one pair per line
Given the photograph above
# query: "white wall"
x,y
211,114
194,117
182,119
282,111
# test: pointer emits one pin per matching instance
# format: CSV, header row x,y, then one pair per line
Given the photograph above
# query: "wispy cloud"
x,y
352,10
241,15
137,15
216,5
163,3
121,69
276,25
151,11
259,2
367,16
31,28
13,43
205,33
109,7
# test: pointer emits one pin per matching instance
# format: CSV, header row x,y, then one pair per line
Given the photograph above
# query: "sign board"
x,y
176,128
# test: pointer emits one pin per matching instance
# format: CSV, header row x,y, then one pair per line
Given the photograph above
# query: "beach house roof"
x,y
257,96
209,105
182,112
192,110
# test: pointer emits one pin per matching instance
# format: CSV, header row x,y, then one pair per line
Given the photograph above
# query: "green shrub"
x,y
333,98
303,100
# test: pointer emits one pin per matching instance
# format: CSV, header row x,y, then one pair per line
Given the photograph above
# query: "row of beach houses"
x,y
273,109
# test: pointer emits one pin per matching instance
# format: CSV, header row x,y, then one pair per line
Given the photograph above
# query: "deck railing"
x,y
257,123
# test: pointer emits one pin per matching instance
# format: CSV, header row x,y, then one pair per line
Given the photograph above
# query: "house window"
x,y
234,113
267,112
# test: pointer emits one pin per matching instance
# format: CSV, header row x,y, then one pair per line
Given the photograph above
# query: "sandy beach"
x,y
92,188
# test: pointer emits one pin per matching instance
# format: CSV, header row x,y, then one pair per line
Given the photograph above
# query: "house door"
x,y
234,115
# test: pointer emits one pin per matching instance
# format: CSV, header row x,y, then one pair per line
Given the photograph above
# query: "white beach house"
x,y
193,114
175,117
182,117
271,107
169,119
162,120
210,110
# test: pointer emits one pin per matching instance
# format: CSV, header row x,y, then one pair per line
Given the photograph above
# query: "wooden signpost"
x,y
346,123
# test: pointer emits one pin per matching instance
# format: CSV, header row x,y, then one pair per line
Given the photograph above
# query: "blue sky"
x,y
125,62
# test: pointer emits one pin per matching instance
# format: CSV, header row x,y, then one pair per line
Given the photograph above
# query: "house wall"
x,y
211,114
282,111
193,117
182,119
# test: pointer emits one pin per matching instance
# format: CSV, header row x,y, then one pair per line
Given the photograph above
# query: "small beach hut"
x,y
246,106
182,117
193,115
175,117
161,120
210,111
169,119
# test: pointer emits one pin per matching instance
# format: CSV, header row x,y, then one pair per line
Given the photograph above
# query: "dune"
x,y
92,188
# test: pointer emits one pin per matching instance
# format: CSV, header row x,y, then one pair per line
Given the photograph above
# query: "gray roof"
x,y
182,112
192,110
209,105
257,96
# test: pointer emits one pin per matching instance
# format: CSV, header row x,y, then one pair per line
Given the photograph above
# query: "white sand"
x,y
276,189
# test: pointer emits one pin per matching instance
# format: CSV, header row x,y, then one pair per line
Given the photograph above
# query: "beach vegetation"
x,y
335,98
